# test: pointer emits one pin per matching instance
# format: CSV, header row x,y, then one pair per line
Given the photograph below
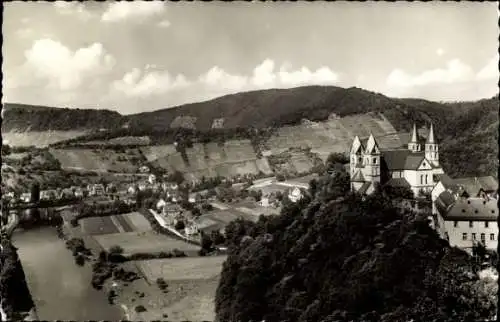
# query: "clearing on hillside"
x,y
97,159
39,139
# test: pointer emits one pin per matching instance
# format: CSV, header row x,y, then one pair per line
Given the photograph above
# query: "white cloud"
x,y
490,71
124,10
455,71
164,24
61,68
440,52
216,81
138,84
73,8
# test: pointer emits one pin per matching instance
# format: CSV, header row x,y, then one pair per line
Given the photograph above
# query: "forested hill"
x,y
263,108
336,257
23,117
468,132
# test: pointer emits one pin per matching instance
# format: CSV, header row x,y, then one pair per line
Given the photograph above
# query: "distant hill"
x,y
459,126
21,117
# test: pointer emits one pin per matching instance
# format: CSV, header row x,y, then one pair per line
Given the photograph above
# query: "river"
x,y
60,289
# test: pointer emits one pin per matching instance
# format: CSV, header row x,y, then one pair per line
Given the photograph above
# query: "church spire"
x,y
414,134
430,137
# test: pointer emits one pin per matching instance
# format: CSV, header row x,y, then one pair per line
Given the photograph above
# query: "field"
x,y
96,160
152,153
98,226
133,242
190,294
38,138
175,269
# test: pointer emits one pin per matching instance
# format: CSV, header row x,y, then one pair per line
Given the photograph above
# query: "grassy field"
x,y
97,159
124,140
133,242
98,226
38,138
177,269
61,290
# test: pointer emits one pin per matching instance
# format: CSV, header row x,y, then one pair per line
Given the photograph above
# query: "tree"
x,y
180,225
116,250
35,192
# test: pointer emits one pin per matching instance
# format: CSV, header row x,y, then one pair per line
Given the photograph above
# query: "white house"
x,y
264,201
469,220
295,194
26,197
191,228
161,203
413,167
131,189
152,179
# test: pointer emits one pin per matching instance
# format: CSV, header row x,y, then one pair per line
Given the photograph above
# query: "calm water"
x,y
61,290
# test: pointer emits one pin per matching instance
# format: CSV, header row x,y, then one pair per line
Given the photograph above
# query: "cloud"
x,y
142,84
123,10
455,71
456,79
490,71
440,52
59,68
146,83
164,24
73,8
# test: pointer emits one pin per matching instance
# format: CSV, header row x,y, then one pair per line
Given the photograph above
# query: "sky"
x,y
141,56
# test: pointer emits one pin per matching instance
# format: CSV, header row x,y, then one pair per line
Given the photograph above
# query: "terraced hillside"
x,y
334,135
234,157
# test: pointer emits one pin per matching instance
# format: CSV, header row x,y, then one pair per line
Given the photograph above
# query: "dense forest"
x,y
13,288
337,257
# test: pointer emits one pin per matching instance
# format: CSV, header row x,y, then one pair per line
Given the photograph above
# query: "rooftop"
x,y
475,209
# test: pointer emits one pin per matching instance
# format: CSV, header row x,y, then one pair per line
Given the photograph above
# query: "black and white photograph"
x,y
250,161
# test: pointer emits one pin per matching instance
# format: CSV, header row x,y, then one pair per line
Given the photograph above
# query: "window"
x,y
473,236
359,159
464,236
422,179
492,236
374,160
455,224
486,224
483,237
425,179
471,224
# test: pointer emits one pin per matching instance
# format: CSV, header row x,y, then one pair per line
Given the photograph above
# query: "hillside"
x,y
336,257
341,111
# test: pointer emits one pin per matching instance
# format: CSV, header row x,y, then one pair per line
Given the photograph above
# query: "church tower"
x,y
413,145
431,148
372,160
356,156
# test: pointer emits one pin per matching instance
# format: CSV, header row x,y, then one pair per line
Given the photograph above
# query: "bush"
x,y
280,177
178,253
140,309
180,225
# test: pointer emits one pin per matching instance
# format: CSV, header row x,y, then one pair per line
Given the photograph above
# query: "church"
x,y
415,166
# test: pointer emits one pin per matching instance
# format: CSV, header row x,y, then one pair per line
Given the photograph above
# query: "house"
x,y
191,228
132,189
26,197
161,203
172,210
110,188
66,194
413,167
48,194
192,199
97,189
142,186
466,221
264,201
478,186
295,194
79,192
144,169
152,179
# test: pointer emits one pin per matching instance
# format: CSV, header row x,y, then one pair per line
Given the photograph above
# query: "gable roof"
x,y
398,182
371,145
444,201
475,209
474,184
